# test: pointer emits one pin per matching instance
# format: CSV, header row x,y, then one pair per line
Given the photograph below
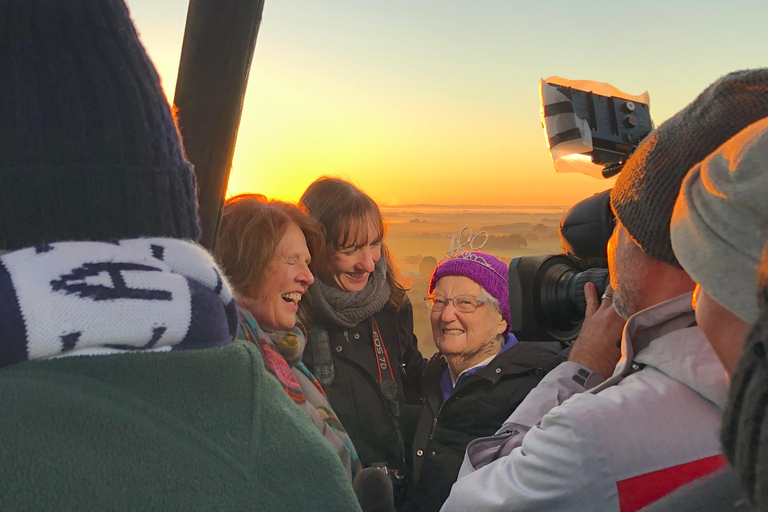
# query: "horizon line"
x,y
476,205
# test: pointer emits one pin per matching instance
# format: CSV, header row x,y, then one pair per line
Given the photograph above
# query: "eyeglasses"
x,y
462,303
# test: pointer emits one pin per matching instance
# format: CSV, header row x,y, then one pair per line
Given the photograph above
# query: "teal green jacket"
x,y
190,430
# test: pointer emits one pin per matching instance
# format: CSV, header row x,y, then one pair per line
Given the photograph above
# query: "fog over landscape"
x,y
420,236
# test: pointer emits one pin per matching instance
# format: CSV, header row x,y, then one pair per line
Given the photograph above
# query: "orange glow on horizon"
x,y
545,190
399,151
418,105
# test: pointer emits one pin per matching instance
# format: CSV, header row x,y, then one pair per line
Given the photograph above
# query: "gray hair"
x,y
490,299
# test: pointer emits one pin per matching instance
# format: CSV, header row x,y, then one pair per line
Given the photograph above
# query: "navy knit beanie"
x,y
645,192
88,147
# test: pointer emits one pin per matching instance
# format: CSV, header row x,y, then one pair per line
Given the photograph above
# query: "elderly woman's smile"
x,y
480,374
465,338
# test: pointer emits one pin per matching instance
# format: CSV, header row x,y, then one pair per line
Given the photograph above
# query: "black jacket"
x,y
477,408
354,391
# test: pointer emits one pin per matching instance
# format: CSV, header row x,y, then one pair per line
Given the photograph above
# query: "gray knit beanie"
x,y
646,189
745,420
88,147
720,220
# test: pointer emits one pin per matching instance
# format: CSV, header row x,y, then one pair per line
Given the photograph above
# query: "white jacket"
x,y
626,442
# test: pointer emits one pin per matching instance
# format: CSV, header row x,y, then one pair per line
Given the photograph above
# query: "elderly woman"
x,y
266,248
362,346
479,376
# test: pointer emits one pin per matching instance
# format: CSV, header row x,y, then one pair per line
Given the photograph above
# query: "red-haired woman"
x,y
266,248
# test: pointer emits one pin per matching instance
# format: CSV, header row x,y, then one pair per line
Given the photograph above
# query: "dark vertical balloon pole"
x,y
219,40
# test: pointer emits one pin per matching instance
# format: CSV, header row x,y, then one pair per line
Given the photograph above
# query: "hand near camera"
x,y
596,346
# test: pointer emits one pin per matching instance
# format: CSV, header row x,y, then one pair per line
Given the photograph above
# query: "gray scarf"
x,y
350,308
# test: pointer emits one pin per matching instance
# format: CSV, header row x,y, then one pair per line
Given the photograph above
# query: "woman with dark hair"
x,y
266,249
362,346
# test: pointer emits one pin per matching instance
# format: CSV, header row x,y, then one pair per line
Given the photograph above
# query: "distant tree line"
x,y
505,242
516,227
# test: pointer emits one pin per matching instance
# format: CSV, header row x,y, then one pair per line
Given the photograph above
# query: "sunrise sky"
x,y
436,101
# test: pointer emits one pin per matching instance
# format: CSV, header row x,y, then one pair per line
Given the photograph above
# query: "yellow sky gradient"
x,y
400,149
436,101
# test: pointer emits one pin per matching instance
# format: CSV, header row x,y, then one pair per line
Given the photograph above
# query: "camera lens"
x,y
546,296
562,294
597,276
562,290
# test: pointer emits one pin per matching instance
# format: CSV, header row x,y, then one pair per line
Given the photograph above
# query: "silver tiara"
x,y
459,251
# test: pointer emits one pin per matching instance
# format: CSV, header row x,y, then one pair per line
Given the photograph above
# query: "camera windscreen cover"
x,y
585,229
590,125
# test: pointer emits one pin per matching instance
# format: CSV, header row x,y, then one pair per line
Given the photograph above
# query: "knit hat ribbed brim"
x,y
646,190
720,220
90,150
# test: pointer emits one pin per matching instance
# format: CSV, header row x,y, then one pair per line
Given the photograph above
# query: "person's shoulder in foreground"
x,y
122,388
190,430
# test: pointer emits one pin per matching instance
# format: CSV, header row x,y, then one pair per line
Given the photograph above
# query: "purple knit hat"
x,y
484,269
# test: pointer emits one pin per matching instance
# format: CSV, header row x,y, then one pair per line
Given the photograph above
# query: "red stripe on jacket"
x,y
640,491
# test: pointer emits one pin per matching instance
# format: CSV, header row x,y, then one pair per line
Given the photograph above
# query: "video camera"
x,y
546,293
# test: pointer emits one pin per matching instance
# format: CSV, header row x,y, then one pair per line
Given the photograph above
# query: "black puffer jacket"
x,y
354,390
477,408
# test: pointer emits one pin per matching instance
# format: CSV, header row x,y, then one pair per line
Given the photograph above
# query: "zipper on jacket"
x,y
434,420
346,335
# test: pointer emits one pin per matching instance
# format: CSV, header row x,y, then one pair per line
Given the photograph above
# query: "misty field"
x,y
420,236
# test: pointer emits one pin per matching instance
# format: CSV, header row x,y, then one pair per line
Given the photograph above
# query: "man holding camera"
x,y
583,442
